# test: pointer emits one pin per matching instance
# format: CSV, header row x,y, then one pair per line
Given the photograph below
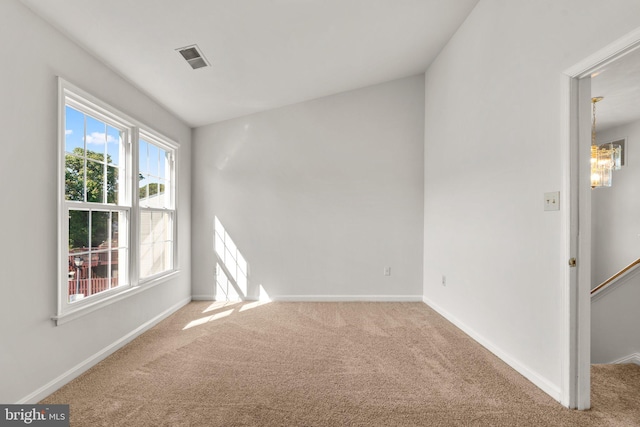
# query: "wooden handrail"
x,y
615,276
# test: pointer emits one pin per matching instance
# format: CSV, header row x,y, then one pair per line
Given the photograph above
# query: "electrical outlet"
x,y
444,280
387,271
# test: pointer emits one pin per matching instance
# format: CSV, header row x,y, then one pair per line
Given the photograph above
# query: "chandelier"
x,y
604,158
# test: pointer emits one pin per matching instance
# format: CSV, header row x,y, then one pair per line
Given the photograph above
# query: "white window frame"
x,y
172,149
71,95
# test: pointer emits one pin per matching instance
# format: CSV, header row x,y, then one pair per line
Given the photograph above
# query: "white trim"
x,y
109,112
541,382
569,201
62,226
171,147
69,94
610,53
97,304
203,297
158,139
632,358
85,365
347,298
615,284
576,301
582,289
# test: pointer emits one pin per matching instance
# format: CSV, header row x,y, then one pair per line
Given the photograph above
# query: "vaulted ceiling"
x,y
263,53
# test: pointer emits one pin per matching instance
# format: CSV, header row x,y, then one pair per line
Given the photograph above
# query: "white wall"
x,y
615,244
616,210
319,197
615,336
493,143
33,351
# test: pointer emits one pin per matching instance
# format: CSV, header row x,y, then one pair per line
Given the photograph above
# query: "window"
x,y
96,205
116,232
157,215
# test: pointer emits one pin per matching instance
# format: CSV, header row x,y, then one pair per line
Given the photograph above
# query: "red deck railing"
x,y
91,286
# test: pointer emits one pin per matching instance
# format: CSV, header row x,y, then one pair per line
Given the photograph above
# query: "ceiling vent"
x,y
193,56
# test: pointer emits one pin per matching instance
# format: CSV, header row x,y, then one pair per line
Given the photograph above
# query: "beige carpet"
x,y
325,364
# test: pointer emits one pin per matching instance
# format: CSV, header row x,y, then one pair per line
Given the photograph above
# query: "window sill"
x,y
79,312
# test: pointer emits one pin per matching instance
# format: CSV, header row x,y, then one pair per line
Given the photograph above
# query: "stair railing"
x,y
613,278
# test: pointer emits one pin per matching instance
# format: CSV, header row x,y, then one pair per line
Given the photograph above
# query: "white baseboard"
x,y
347,298
85,365
212,298
541,382
202,298
632,358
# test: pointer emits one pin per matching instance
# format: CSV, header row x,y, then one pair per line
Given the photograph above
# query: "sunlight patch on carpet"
x,y
208,319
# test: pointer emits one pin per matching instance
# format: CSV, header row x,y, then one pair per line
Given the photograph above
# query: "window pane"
x,y
144,190
112,184
78,231
162,194
159,227
97,268
116,219
154,196
144,157
114,142
114,268
100,267
119,265
168,256
146,258
145,228
74,131
95,182
156,253
153,160
158,258
96,138
162,172
74,178
98,190
153,186
100,232
78,273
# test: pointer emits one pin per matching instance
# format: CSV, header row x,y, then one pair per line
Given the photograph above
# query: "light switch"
x,y
552,201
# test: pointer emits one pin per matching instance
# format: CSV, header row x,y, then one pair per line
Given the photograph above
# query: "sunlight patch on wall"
x,y
264,296
231,267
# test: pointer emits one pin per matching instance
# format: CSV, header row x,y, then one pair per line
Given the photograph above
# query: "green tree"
x,y
154,188
95,186
96,183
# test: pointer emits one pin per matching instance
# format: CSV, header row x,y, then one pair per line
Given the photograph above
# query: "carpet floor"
x,y
325,364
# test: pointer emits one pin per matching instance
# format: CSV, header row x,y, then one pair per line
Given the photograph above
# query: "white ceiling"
x,y
264,53
619,84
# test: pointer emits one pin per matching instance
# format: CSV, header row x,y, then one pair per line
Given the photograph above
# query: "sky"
x,y
152,159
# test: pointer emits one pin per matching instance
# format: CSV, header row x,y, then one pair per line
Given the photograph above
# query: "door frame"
x,y
576,220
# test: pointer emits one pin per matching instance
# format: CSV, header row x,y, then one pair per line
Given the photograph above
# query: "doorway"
x,y
578,218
